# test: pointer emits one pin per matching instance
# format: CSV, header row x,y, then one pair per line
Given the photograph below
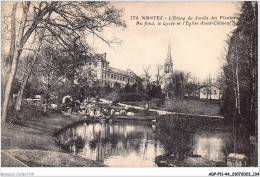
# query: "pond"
x,y
132,144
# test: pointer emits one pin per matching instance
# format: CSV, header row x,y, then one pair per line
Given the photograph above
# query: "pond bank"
x,y
30,139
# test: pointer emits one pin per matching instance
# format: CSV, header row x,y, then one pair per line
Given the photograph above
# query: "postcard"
x,y
129,84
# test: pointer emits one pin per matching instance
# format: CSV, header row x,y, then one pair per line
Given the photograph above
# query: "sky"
x,y
197,49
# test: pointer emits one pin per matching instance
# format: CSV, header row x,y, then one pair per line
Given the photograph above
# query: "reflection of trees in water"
x,y
132,140
183,136
93,143
244,146
116,143
112,139
105,134
105,140
74,145
226,139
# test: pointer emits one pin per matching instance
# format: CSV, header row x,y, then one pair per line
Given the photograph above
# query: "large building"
x,y
105,74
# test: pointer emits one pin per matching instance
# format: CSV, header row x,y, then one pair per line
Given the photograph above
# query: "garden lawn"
x,y
199,107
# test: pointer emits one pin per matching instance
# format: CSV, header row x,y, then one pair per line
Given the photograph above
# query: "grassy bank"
x,y
32,132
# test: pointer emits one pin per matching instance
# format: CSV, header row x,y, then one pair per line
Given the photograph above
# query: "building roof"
x,y
128,73
211,86
95,57
102,57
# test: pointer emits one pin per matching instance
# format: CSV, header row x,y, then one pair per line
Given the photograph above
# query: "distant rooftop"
x,y
102,57
122,72
92,57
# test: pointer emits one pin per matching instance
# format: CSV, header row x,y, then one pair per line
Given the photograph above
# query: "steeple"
x,y
168,65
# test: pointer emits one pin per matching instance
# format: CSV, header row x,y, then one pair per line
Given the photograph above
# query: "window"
x,y
123,78
117,77
114,76
215,92
131,80
111,76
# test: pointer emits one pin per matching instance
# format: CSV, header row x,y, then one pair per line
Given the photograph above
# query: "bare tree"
x,y
14,53
147,76
70,20
159,75
25,80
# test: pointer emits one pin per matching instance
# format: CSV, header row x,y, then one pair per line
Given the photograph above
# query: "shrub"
x,y
115,102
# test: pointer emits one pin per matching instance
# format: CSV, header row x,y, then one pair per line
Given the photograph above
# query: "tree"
x,y
177,85
155,91
108,89
14,53
25,80
127,88
240,71
117,86
159,76
139,84
241,67
146,76
69,20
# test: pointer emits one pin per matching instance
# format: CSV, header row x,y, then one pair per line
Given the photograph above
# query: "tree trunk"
x,y
14,59
237,82
6,63
21,91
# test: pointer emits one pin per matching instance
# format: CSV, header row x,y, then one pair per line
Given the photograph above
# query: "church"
x,y
168,70
107,75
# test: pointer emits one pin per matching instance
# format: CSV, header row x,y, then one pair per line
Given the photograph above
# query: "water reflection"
x,y
210,146
118,144
128,144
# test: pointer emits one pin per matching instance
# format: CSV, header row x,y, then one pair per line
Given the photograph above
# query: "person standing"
x,y
44,104
146,106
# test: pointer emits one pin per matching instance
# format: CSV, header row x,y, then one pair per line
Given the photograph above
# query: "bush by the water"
x,y
175,134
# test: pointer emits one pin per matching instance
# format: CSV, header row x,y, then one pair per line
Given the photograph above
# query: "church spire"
x,y
168,65
169,47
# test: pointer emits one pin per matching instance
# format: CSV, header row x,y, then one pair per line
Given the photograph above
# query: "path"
x,y
9,161
161,112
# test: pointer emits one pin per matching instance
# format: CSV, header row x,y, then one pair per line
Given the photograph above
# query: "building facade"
x,y
107,75
210,92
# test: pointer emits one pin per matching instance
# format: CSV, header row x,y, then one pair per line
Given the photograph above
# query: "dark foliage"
x,y
240,95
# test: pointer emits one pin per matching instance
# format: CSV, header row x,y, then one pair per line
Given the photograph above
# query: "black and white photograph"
x,y
129,84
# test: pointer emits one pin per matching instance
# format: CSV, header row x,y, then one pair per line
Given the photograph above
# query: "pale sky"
x,y
196,49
